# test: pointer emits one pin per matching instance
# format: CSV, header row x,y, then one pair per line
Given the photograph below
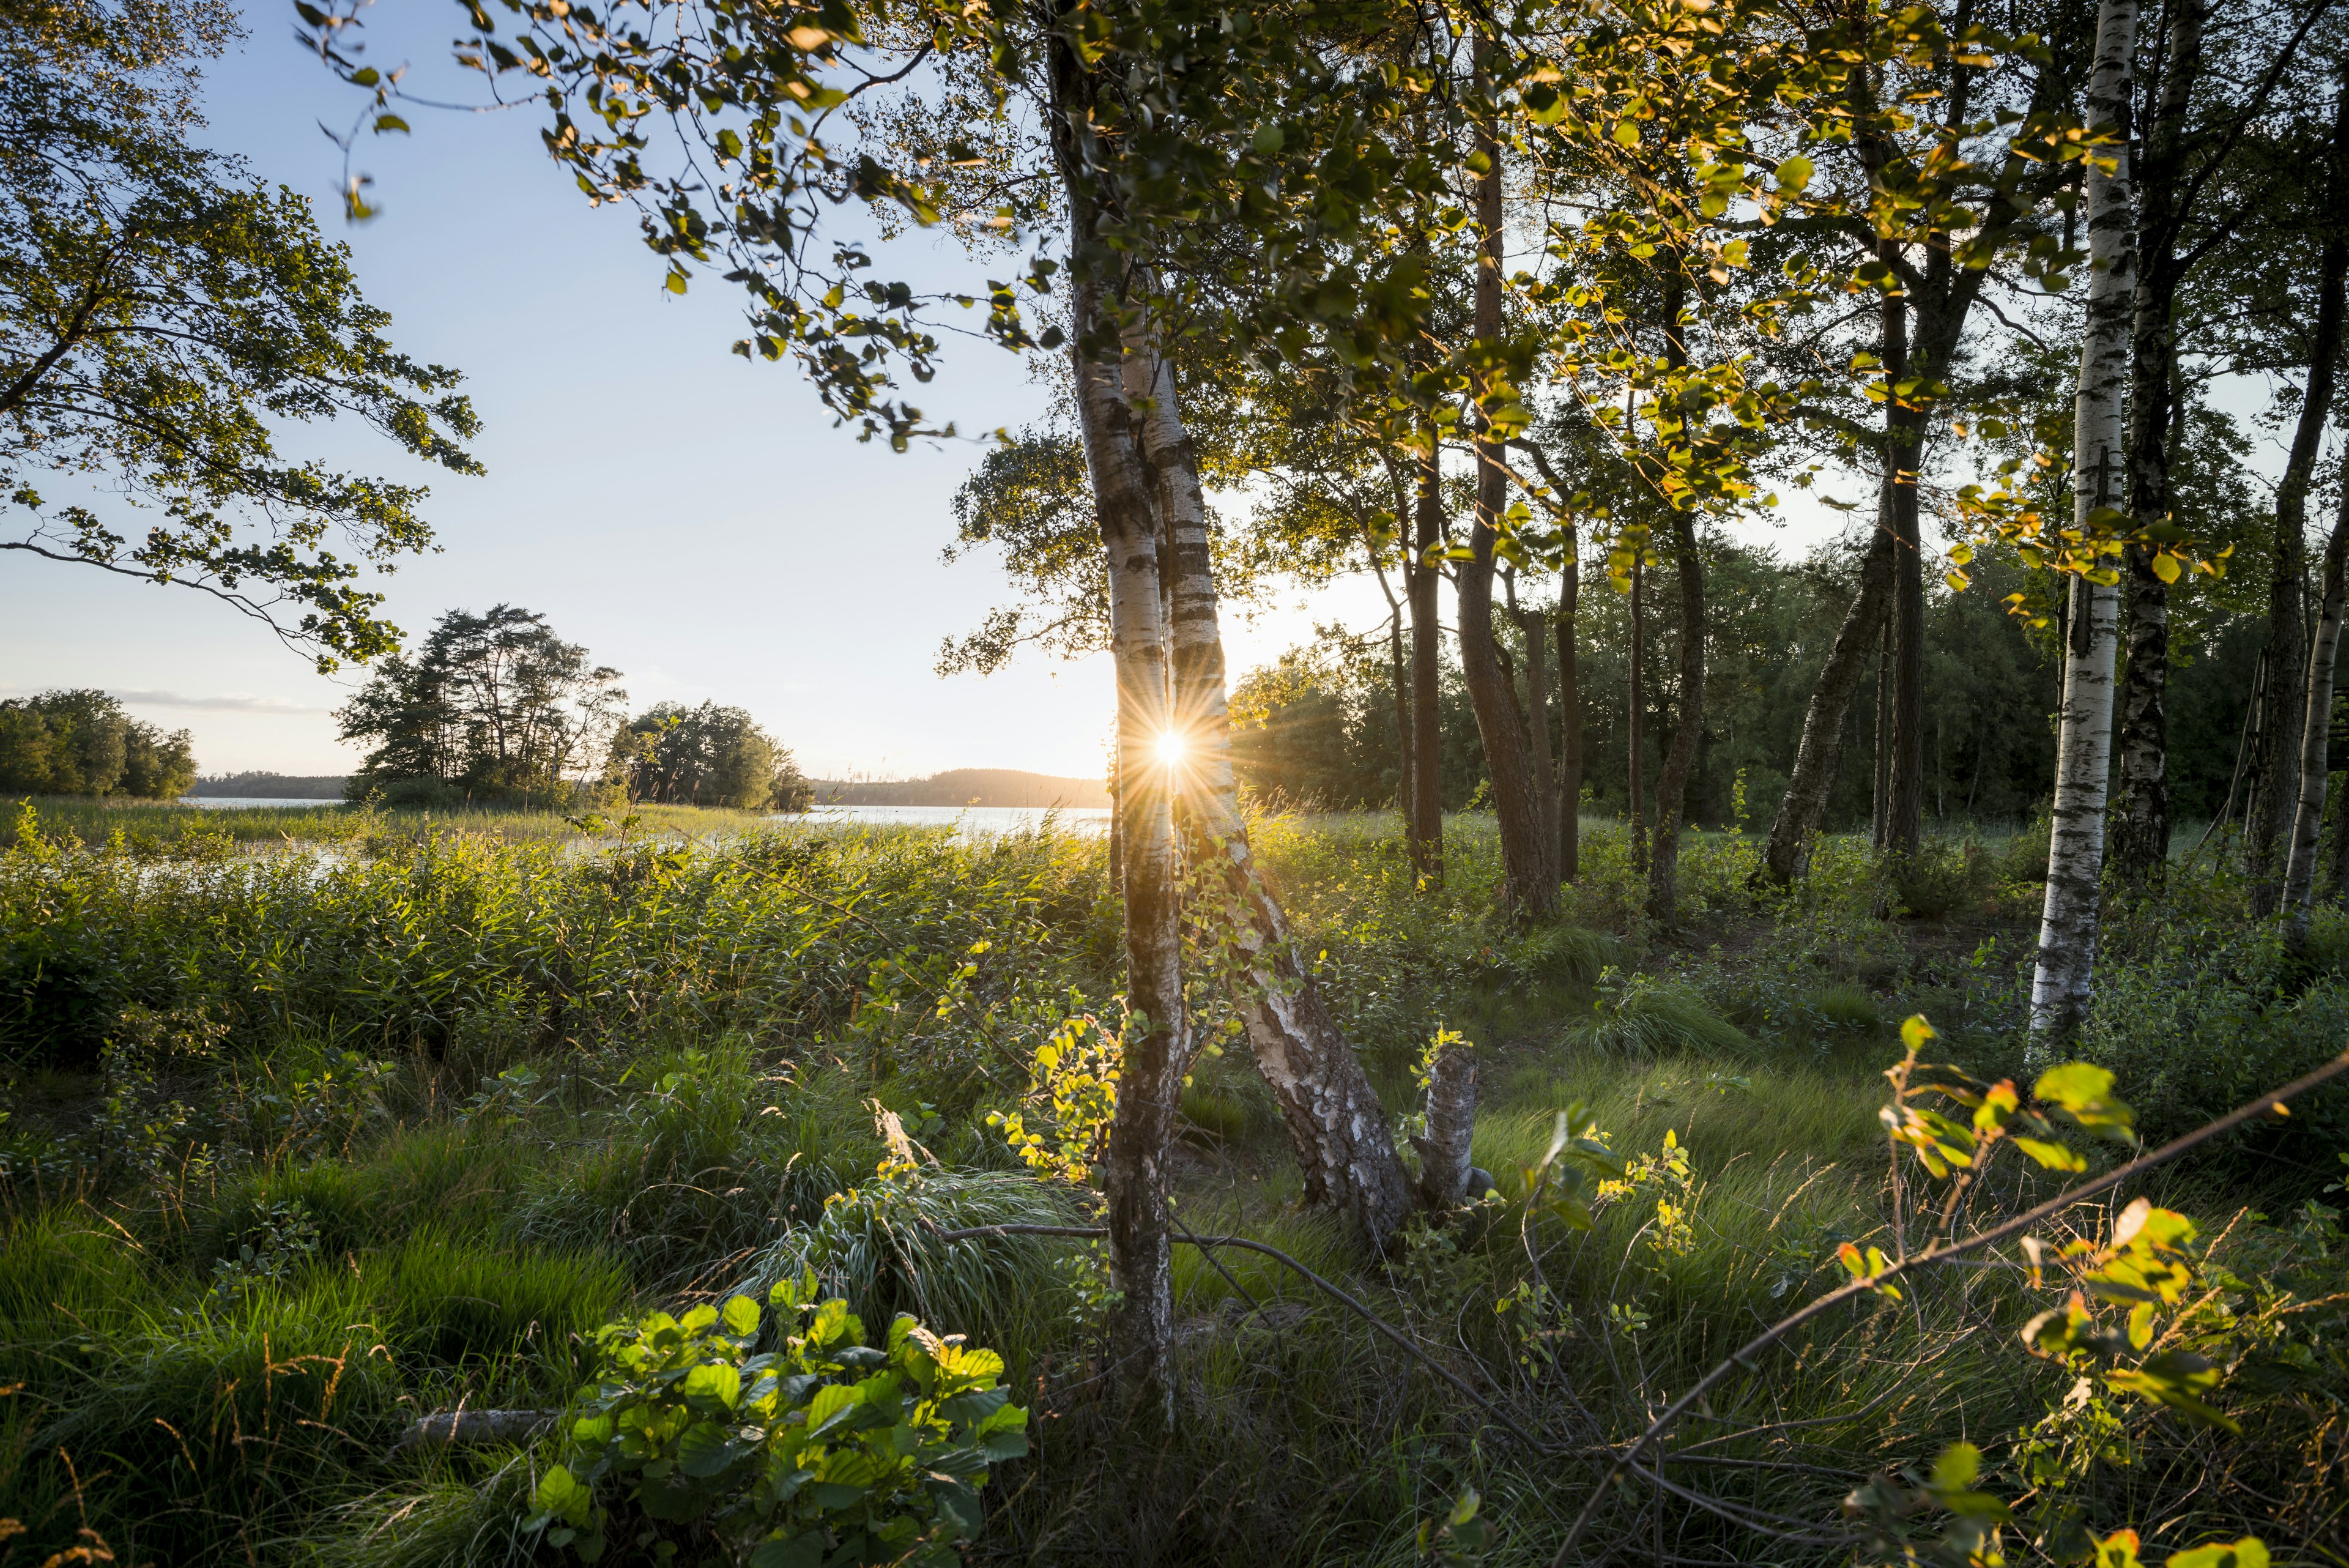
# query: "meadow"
x,y
303,1144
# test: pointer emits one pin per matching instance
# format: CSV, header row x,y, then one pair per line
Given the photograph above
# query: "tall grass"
x,y
300,1145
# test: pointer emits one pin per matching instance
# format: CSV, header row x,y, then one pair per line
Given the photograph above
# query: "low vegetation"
x,y
303,1147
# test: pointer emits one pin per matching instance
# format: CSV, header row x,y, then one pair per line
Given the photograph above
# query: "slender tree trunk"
x,y
2140,826
1150,1079
2316,737
1340,1131
1880,815
1638,703
1529,878
1420,580
1569,709
2067,937
1397,681
1533,628
1904,812
1820,750
2280,753
1671,788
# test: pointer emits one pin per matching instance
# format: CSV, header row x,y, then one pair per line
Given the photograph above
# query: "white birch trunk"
x,y
2075,857
1150,1082
1344,1144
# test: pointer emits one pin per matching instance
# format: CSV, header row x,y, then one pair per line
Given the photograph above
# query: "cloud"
x,y
235,703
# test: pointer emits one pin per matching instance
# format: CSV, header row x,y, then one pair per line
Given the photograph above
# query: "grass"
x,y
300,1145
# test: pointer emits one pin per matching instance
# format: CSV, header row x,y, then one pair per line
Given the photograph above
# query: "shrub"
x,y
825,1450
1639,1015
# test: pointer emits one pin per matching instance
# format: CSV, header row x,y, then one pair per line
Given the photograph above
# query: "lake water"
x,y
968,821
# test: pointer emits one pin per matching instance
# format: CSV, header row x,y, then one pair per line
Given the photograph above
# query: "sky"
x,y
694,520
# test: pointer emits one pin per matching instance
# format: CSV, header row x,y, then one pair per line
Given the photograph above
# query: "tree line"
x,y
82,743
495,707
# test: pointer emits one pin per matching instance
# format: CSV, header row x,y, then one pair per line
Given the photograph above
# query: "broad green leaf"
x,y
2251,1552
741,1314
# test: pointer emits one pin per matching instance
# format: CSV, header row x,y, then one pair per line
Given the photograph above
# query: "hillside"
x,y
966,786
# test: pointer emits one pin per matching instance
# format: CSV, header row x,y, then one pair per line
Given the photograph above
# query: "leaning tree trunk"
x,y
1344,1143
1150,1078
2316,739
2068,935
1821,747
1420,579
2140,826
1529,878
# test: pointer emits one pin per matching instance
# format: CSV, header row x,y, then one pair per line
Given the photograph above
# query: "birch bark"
x,y
1344,1144
2067,936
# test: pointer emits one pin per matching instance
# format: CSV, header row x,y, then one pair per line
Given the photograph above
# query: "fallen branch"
x,y
453,1427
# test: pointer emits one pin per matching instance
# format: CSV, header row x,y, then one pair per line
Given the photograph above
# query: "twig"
x,y
1743,1356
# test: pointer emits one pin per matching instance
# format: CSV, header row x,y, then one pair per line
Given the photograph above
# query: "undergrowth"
x,y
301,1147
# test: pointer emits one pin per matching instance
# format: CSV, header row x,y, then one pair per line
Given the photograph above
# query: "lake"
x,y
969,821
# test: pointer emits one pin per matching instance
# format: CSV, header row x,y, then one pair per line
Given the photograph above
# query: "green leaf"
x,y
2251,1552
2053,1156
2084,1092
805,1550
1793,175
713,1384
741,1315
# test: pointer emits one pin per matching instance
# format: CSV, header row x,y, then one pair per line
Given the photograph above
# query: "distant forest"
x,y
260,786
966,786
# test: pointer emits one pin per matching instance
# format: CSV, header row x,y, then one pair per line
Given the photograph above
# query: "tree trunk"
x,y
1420,580
2280,753
1533,628
2316,737
1444,1151
1398,681
1880,808
1530,880
1671,788
2067,937
1569,710
1150,1078
2140,847
1821,747
1639,700
1904,811
1344,1144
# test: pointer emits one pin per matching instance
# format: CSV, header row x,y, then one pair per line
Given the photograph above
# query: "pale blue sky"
x,y
693,519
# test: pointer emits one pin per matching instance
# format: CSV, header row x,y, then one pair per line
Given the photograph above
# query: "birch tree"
x,y
2067,936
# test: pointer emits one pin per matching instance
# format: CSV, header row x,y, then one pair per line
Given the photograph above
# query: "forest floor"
x,y
299,1148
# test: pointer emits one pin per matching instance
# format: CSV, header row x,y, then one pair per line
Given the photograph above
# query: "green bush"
x,y
824,1450
1639,1015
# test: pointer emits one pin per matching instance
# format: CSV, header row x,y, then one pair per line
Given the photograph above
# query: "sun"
x,y
1171,747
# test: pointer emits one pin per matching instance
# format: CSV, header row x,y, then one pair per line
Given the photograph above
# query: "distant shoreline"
x,y
966,786
955,787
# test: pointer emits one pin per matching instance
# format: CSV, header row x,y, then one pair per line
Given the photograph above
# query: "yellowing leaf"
x,y
2165,566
